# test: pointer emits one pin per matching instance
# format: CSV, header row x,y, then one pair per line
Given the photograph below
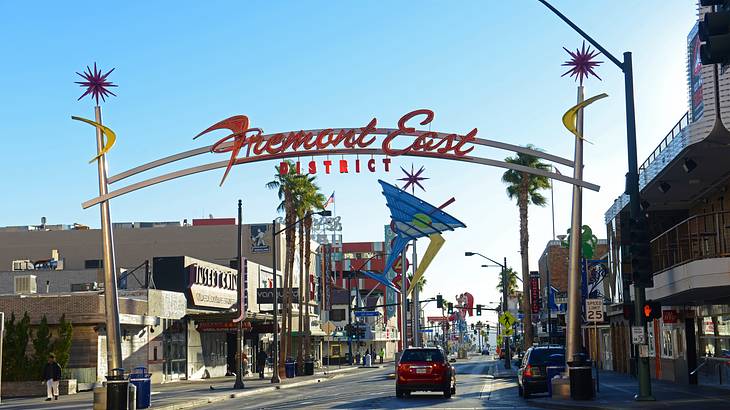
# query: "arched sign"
x,y
247,145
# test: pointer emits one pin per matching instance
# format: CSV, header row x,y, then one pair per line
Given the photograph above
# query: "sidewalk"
x,y
186,394
617,390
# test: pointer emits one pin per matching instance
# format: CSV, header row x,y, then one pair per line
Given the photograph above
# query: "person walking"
x,y
382,354
261,362
52,376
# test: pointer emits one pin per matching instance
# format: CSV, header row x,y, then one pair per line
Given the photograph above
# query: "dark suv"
x,y
532,376
424,369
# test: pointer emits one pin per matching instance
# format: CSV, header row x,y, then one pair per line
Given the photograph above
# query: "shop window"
x,y
667,345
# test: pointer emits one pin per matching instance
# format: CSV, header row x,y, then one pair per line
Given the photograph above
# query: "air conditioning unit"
x,y
84,287
25,284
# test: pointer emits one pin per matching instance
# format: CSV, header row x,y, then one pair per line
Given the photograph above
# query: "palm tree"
x,y
511,280
418,286
287,186
525,188
308,198
315,200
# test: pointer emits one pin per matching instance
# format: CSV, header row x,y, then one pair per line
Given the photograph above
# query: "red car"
x,y
424,369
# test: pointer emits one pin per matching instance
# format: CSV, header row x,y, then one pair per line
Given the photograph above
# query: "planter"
x,y
35,388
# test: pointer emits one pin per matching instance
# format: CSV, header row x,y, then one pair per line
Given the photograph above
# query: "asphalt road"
x,y
372,389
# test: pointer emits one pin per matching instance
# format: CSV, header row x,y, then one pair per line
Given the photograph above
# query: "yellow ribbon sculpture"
x,y
570,116
111,137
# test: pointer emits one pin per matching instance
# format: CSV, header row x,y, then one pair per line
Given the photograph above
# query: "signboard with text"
x,y
212,285
594,310
535,295
266,295
259,238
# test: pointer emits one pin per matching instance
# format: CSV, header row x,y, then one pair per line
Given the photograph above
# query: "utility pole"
x,y
632,186
275,349
238,384
505,288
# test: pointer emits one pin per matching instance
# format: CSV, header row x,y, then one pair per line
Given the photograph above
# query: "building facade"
x,y
684,184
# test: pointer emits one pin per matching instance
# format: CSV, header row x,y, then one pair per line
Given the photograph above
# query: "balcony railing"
x,y
698,237
678,127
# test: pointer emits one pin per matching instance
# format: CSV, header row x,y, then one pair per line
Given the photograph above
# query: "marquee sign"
x,y
212,287
247,144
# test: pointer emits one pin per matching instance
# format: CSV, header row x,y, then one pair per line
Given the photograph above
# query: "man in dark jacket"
x,y
52,376
261,362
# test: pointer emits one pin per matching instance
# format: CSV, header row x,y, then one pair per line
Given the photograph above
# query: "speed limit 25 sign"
x,y
594,310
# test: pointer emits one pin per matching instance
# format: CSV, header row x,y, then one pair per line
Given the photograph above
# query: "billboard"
x,y
694,74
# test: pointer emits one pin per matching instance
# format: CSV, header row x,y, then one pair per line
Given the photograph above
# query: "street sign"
x,y
425,330
366,313
508,331
507,319
637,335
594,310
328,327
561,298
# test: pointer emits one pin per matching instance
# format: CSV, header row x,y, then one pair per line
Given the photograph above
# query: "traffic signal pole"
x,y
632,186
505,339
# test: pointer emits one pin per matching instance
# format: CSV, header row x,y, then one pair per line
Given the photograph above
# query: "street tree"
x,y
287,186
525,188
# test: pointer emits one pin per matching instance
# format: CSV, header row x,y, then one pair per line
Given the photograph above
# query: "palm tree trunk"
x,y
300,338
307,261
524,242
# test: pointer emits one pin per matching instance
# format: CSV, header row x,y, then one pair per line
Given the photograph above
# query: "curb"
x,y
560,404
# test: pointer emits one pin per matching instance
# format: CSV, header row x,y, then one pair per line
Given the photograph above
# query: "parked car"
x,y
424,369
532,375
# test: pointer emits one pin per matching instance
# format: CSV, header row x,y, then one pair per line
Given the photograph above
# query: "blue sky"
x,y
181,66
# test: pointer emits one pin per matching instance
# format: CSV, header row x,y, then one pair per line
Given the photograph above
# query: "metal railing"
x,y
698,237
678,127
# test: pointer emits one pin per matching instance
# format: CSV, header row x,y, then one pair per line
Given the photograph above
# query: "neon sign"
x,y
282,145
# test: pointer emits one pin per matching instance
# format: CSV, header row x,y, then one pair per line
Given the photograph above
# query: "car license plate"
x,y
420,371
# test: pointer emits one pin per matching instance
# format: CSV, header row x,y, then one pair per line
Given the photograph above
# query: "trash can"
x,y
116,390
581,378
552,371
309,368
290,368
132,397
142,381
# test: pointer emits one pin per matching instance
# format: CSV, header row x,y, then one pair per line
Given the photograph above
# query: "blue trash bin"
x,y
142,381
290,369
552,371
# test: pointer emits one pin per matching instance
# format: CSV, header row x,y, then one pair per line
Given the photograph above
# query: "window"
x,y
337,314
93,264
667,346
422,355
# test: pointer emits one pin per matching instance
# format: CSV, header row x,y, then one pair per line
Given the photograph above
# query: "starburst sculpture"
x,y
581,63
413,178
96,84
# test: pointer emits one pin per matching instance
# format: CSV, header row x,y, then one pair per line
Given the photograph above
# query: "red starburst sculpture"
x,y
413,178
581,63
96,84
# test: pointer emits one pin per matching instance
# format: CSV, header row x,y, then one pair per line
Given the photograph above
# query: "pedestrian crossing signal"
x,y
479,310
450,308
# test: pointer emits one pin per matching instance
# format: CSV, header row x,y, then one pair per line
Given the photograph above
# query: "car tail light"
x,y
528,371
403,367
437,367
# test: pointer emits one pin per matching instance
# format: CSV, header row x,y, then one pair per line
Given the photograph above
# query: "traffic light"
x,y
472,326
475,332
714,31
652,310
450,308
640,251
439,301
479,310
487,328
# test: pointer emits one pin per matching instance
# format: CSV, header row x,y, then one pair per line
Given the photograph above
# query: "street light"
x,y
632,189
275,351
507,355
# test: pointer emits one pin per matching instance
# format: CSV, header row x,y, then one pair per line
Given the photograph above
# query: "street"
x,y
475,388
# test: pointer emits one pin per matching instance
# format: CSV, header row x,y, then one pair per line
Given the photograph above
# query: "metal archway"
x,y
238,139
